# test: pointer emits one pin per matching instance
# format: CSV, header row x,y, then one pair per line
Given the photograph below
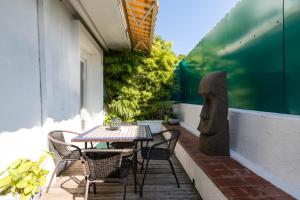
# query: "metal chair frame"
x,y
170,150
62,158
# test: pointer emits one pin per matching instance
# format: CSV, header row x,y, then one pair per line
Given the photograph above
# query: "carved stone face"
x,y
213,89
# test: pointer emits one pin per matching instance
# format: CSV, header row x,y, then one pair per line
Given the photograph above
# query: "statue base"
x,y
215,145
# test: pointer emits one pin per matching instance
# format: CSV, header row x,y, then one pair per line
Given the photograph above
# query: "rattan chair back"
x,y
59,149
103,164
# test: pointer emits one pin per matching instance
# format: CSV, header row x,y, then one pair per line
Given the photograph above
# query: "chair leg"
x,y
86,189
174,173
107,144
94,185
134,167
53,174
124,190
142,165
143,180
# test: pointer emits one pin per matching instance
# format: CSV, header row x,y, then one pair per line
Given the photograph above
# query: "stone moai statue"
x,y
214,128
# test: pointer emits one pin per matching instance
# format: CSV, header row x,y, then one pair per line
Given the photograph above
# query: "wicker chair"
x,y
65,153
158,153
106,166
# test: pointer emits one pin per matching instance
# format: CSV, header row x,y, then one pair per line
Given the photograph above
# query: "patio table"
x,y
127,133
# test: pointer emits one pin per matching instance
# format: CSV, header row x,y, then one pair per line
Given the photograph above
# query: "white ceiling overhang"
x,y
106,19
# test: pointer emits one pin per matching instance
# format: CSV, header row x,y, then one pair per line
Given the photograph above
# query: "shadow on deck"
x,y
159,184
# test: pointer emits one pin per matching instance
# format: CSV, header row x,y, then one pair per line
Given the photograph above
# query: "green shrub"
x,y
138,85
23,177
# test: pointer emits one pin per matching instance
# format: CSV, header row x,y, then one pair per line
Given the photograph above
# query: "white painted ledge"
x,y
204,185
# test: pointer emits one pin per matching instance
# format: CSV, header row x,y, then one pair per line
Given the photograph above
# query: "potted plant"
x,y
23,179
173,118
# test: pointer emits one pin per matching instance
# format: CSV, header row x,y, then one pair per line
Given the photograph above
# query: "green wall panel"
x,y
292,55
258,49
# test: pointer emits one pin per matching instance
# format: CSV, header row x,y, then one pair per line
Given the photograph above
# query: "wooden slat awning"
x,y
141,18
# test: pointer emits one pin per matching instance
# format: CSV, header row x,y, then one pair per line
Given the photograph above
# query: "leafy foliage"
x,y
23,177
138,84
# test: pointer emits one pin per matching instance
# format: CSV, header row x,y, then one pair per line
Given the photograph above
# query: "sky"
x,y
186,22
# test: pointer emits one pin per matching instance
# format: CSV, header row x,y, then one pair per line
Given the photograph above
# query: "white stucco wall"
x,y
66,42
92,54
94,96
267,143
20,82
19,58
62,58
40,50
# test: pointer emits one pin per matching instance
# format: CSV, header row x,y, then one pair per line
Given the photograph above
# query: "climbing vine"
x,y
138,84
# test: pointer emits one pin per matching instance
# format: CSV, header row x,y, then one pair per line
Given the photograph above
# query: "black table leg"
x,y
85,145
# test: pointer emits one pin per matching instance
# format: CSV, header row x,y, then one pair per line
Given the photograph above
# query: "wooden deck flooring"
x,y
160,184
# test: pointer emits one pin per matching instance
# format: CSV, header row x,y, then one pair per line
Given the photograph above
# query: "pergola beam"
x,y
141,15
